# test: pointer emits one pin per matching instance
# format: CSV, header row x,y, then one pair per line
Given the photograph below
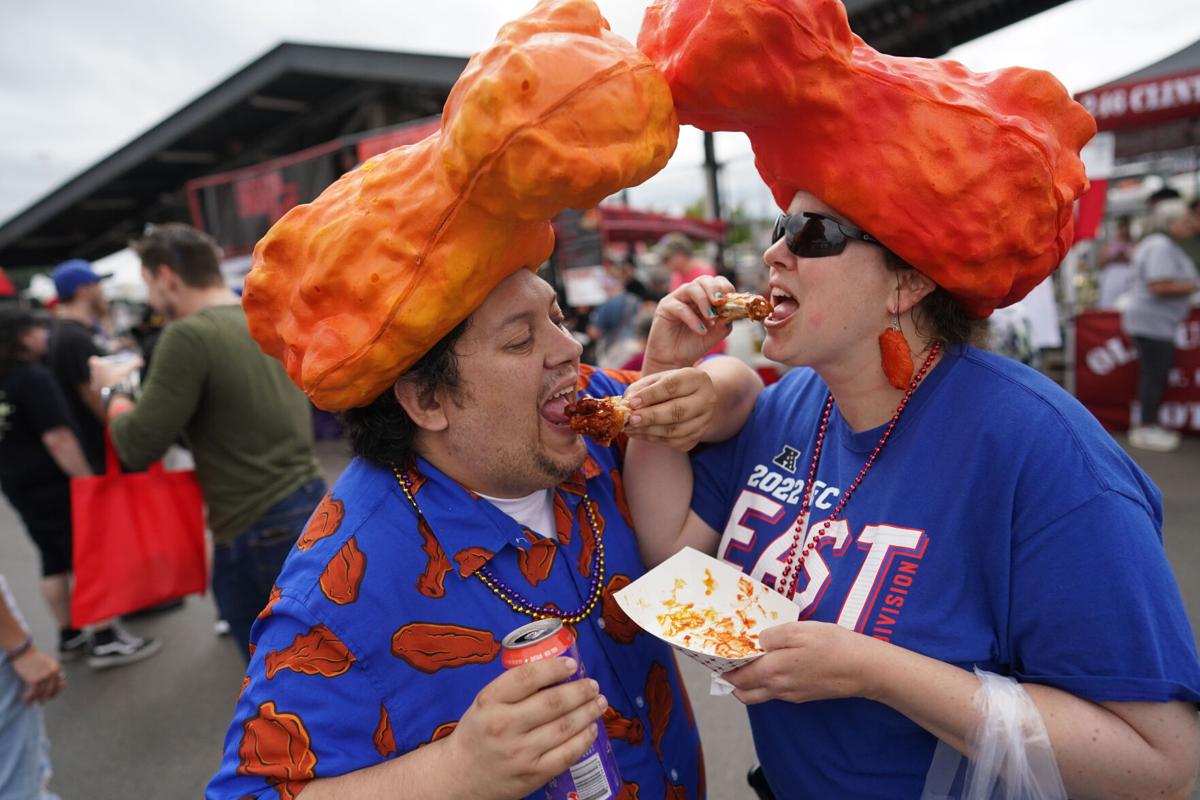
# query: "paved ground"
x,y
155,728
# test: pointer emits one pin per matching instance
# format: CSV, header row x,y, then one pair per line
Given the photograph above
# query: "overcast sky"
x,y
79,80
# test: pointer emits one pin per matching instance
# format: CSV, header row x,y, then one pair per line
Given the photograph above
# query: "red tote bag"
x,y
139,540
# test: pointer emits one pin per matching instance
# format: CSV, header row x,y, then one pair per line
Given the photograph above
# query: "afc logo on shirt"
x,y
787,458
759,532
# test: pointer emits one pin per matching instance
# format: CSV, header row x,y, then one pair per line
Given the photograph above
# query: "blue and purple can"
x,y
595,775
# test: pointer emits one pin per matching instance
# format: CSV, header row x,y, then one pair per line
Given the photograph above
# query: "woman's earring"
x,y
895,352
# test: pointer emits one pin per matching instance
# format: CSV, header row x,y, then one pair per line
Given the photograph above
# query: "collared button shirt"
x,y
380,633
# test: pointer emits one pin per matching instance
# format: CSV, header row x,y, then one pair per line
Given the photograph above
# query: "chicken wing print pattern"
x,y
617,623
384,739
344,574
537,560
619,496
276,746
325,521
432,580
589,541
658,704
317,652
432,646
272,599
471,558
628,730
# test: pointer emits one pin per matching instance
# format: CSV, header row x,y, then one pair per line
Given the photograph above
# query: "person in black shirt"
x,y
40,452
81,306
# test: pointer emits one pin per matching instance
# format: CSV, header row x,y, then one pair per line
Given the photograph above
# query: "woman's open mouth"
x,y
783,307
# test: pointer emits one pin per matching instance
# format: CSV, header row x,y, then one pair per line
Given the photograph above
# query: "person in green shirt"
x,y
248,426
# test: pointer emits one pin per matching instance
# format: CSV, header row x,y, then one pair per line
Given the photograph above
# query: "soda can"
x,y
595,775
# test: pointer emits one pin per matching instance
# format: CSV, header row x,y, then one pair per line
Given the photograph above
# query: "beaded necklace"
x,y
786,588
510,595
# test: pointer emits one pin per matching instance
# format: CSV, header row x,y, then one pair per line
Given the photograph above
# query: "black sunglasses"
x,y
810,235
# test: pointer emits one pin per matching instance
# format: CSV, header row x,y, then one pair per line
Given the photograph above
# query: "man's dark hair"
x,y
14,321
191,254
382,432
1165,193
950,321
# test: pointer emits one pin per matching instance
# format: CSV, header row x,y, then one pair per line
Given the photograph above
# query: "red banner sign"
x,y
410,134
1137,103
236,208
1106,373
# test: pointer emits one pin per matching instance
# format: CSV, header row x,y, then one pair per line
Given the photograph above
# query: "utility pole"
x,y
712,194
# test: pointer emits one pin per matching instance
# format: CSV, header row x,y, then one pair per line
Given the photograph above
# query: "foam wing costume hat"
x,y
969,177
350,290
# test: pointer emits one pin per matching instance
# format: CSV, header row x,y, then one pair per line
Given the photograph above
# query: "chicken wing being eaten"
x,y
602,418
742,305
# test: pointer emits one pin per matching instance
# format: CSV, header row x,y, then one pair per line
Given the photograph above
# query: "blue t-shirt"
x,y
1000,527
381,634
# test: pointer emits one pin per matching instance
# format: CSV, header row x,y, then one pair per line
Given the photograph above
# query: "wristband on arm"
x,y
116,400
108,393
19,650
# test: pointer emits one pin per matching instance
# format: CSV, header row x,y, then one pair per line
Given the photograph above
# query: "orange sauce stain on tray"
x,y
706,629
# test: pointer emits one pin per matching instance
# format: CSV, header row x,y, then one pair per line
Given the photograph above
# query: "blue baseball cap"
x,y
69,276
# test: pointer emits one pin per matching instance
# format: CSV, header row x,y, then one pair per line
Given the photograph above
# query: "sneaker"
x,y
221,628
1152,437
72,644
115,646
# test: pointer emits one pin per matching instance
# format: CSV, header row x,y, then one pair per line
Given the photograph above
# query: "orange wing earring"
x,y
894,350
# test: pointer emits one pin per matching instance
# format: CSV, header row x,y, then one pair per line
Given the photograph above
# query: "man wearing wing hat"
x,y
405,297
984,604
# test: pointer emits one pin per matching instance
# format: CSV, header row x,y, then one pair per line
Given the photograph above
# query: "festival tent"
x,y
1149,124
1148,121
1153,110
125,271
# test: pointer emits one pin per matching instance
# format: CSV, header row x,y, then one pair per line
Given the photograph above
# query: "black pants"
x,y
46,511
1155,357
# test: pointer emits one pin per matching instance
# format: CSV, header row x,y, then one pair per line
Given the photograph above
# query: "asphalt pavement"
x,y
155,729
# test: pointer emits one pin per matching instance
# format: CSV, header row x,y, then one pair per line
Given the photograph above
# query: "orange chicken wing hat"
x,y
969,177
349,291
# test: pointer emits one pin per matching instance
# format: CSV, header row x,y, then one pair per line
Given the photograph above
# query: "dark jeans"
x,y
1155,359
245,569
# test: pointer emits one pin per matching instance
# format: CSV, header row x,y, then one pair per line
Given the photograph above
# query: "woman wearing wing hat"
x,y
983,598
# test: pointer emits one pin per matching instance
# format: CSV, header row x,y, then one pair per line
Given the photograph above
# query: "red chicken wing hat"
x,y
349,291
970,177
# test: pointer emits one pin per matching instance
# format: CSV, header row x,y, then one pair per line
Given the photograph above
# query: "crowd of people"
x,y
948,523
66,401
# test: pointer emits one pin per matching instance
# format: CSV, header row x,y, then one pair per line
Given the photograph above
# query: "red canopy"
x,y
409,133
1154,109
1144,102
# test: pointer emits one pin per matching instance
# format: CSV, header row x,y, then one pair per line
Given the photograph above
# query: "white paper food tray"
x,y
644,600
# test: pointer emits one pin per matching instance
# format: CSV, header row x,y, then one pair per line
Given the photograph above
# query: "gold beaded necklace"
x,y
511,596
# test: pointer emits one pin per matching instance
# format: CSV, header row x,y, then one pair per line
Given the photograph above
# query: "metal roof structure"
x,y
291,98
928,28
297,96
